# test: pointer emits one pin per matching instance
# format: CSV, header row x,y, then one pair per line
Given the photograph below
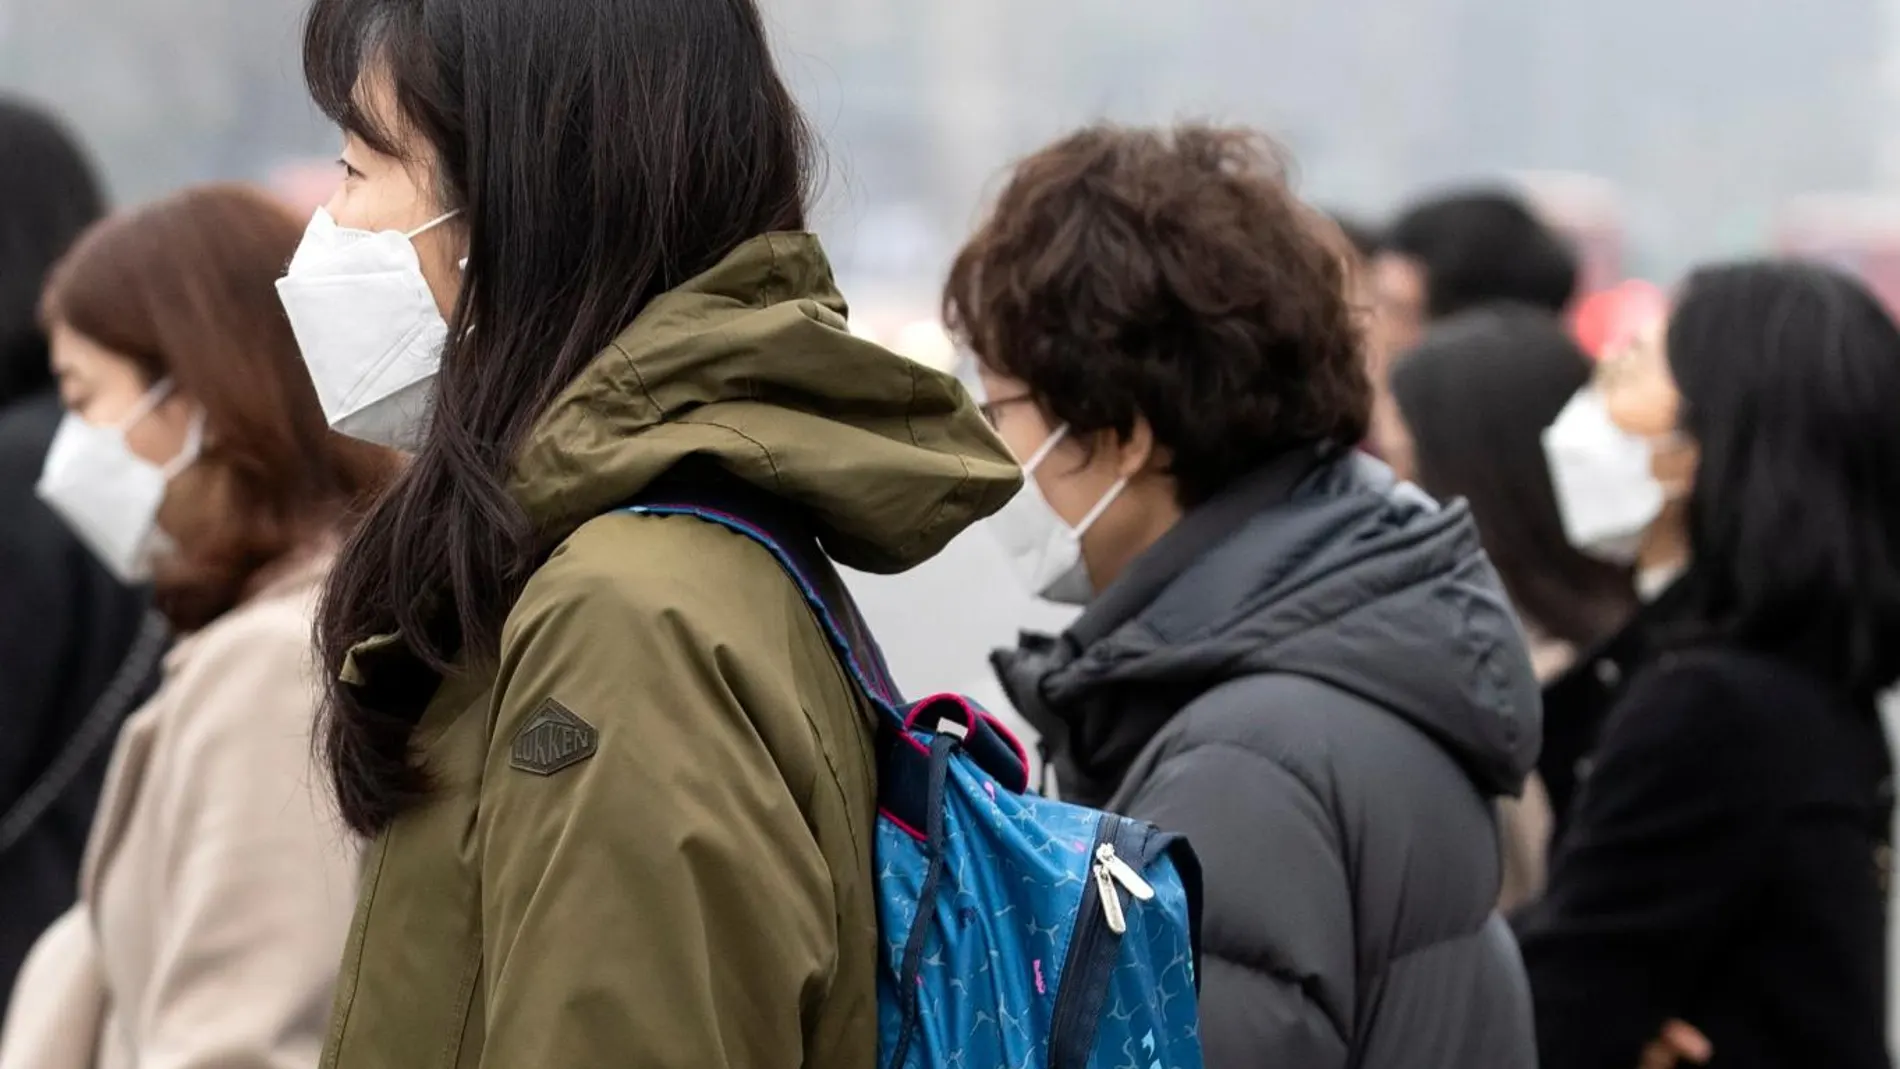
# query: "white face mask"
x,y
1046,551
110,495
368,326
1607,492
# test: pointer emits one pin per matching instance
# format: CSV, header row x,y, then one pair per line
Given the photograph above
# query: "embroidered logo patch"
x,y
553,739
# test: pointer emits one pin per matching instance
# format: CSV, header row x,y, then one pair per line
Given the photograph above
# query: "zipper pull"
x,y
1124,873
1111,900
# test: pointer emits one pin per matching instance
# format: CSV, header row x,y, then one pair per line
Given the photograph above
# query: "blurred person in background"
x,y
1451,252
68,628
1477,395
1727,855
622,791
1462,249
1621,515
218,882
1360,244
1308,669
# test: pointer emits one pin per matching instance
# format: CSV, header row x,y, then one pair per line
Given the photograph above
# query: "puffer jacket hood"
x,y
1316,678
1353,580
751,366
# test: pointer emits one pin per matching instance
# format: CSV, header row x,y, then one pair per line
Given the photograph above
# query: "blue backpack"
x,y
1017,932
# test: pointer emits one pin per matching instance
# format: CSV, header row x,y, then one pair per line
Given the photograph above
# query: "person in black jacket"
x,y
67,627
1309,669
1726,854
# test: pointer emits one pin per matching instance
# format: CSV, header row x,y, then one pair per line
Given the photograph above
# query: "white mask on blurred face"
x,y
110,495
1045,551
1607,491
368,326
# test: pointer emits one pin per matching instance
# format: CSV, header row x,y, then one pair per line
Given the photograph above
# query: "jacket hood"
x,y
1348,578
750,366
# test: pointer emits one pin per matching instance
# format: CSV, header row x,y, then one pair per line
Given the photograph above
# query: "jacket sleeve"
x,y
258,882
1277,956
1664,845
59,1006
663,902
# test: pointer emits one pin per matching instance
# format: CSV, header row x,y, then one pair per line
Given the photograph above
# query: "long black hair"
x,y
1477,394
1790,378
600,154
48,196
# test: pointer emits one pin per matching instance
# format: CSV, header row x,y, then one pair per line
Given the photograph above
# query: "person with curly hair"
x,y
1309,668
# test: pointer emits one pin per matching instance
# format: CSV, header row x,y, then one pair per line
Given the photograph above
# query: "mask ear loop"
x,y
1042,452
192,449
432,224
1114,492
146,405
1102,506
194,437
461,264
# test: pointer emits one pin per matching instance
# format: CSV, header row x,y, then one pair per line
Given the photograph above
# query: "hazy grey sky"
x,y
1707,114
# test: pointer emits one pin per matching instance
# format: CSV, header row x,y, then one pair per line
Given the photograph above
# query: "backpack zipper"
x,y
1110,870
1095,945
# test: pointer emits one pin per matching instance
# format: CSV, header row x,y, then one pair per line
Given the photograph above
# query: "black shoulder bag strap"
x,y
95,732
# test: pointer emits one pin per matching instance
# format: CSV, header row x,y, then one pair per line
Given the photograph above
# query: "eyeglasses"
x,y
992,409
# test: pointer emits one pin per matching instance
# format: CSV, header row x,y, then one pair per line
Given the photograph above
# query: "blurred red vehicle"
x,y
1856,232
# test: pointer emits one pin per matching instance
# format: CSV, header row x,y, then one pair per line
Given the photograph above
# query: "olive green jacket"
x,y
650,839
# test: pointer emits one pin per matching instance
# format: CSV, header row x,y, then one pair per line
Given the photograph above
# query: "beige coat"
x,y
217,887
1524,823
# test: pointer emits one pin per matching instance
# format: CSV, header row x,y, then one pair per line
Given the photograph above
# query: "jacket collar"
x,y
1188,541
1089,770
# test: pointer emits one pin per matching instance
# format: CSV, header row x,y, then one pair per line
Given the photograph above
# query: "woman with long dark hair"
x,y
621,789
1726,857
218,883
1477,395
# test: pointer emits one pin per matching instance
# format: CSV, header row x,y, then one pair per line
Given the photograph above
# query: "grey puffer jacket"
x,y
1316,677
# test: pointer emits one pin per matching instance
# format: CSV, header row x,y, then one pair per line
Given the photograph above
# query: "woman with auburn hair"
x,y
218,884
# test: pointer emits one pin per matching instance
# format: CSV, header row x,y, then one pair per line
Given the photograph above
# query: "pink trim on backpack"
x,y
903,827
1015,743
971,715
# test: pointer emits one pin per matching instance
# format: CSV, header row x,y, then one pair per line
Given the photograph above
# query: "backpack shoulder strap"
x,y
709,494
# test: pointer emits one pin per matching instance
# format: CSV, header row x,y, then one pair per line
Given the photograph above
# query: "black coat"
x,y
66,627
1578,702
1724,863
1325,689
